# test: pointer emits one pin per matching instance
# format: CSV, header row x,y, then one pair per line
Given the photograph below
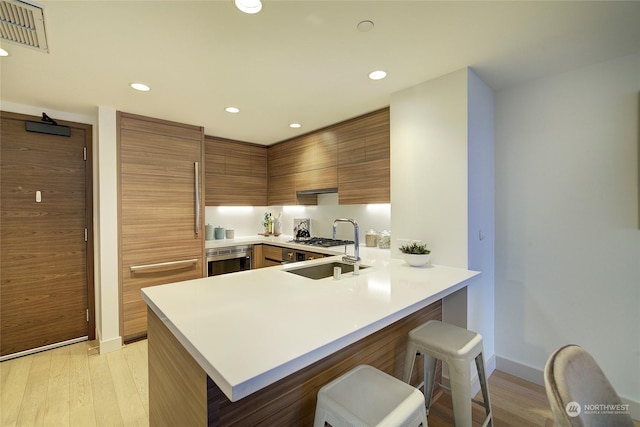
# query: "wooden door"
x,y
159,242
44,259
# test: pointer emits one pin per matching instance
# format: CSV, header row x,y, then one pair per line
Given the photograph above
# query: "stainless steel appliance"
x,y
229,259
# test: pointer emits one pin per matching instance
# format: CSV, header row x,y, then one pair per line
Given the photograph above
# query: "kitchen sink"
x,y
321,271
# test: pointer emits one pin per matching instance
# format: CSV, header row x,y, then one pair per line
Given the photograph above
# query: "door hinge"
x,y
84,153
87,315
86,235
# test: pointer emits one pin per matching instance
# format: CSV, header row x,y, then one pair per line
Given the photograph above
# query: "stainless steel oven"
x,y
229,259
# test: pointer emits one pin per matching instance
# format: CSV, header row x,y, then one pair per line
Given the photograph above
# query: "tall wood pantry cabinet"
x,y
161,210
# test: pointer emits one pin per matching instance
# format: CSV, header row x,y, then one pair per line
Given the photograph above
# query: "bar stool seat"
x,y
457,347
366,396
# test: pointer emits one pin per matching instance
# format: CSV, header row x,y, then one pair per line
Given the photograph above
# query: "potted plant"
x,y
415,254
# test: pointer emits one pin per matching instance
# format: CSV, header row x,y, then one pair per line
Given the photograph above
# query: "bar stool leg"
x,y
483,386
409,360
429,379
459,378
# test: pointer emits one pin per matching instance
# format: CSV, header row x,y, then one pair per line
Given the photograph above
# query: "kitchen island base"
x,y
181,393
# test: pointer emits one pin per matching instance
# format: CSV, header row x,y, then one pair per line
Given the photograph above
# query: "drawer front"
x,y
272,253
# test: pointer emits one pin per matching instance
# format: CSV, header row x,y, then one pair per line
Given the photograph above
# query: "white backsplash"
x,y
247,220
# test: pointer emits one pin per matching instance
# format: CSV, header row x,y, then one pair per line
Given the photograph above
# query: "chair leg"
x,y
409,360
482,377
459,378
429,379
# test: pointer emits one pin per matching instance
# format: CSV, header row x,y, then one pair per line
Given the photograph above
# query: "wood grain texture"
x,y
236,173
47,274
177,384
291,401
364,159
353,156
272,253
364,183
157,209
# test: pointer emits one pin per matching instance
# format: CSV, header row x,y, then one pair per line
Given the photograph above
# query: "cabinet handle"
x,y
171,265
197,189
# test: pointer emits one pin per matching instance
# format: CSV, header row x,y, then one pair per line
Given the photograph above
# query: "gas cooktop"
x,y
325,242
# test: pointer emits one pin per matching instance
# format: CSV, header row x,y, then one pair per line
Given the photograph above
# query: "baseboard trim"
x,y
520,370
113,344
536,376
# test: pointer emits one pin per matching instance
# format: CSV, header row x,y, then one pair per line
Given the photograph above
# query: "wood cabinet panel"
x,y
377,135
282,190
273,253
236,173
282,159
177,384
351,142
259,162
157,210
342,156
317,179
364,183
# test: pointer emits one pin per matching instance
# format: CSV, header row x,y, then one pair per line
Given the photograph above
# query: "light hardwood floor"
x,y
76,386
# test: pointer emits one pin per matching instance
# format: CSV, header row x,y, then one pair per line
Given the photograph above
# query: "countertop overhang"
x,y
250,329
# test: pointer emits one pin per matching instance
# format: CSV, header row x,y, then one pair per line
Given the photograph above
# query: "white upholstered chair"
x,y
580,394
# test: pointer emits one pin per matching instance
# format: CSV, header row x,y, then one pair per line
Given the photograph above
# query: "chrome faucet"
x,y
355,259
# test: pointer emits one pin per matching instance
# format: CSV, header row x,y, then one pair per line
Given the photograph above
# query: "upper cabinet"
x,y
303,164
351,158
364,159
235,173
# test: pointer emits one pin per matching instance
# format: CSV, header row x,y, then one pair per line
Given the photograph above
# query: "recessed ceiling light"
x,y
377,75
232,110
249,6
295,125
3,52
364,26
141,87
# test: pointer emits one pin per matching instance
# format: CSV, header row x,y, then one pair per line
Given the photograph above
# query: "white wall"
x,y
442,186
246,220
568,243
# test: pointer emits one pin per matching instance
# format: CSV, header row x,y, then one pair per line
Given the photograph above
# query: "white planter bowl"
x,y
416,260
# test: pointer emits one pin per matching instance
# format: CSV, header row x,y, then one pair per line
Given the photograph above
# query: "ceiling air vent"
x,y
22,22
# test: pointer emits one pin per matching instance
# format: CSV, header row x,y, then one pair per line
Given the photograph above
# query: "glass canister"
x,y
371,238
384,240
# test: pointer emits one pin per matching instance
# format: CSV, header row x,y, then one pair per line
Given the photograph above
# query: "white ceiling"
x,y
296,61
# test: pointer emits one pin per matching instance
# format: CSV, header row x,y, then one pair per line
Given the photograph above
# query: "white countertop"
x,y
249,329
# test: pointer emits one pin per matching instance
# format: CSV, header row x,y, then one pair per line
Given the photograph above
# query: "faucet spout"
x,y
356,231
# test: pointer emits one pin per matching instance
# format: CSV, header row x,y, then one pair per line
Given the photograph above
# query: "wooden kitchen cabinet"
x,y
303,163
236,173
161,233
364,159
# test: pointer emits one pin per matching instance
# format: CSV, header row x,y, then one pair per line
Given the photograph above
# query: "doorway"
x,y
46,238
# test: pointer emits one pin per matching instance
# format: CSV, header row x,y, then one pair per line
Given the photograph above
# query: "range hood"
x,y
317,191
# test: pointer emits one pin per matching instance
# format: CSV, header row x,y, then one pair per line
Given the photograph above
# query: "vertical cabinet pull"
x,y
197,189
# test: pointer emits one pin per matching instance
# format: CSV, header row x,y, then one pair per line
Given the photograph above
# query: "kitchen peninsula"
x,y
254,347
